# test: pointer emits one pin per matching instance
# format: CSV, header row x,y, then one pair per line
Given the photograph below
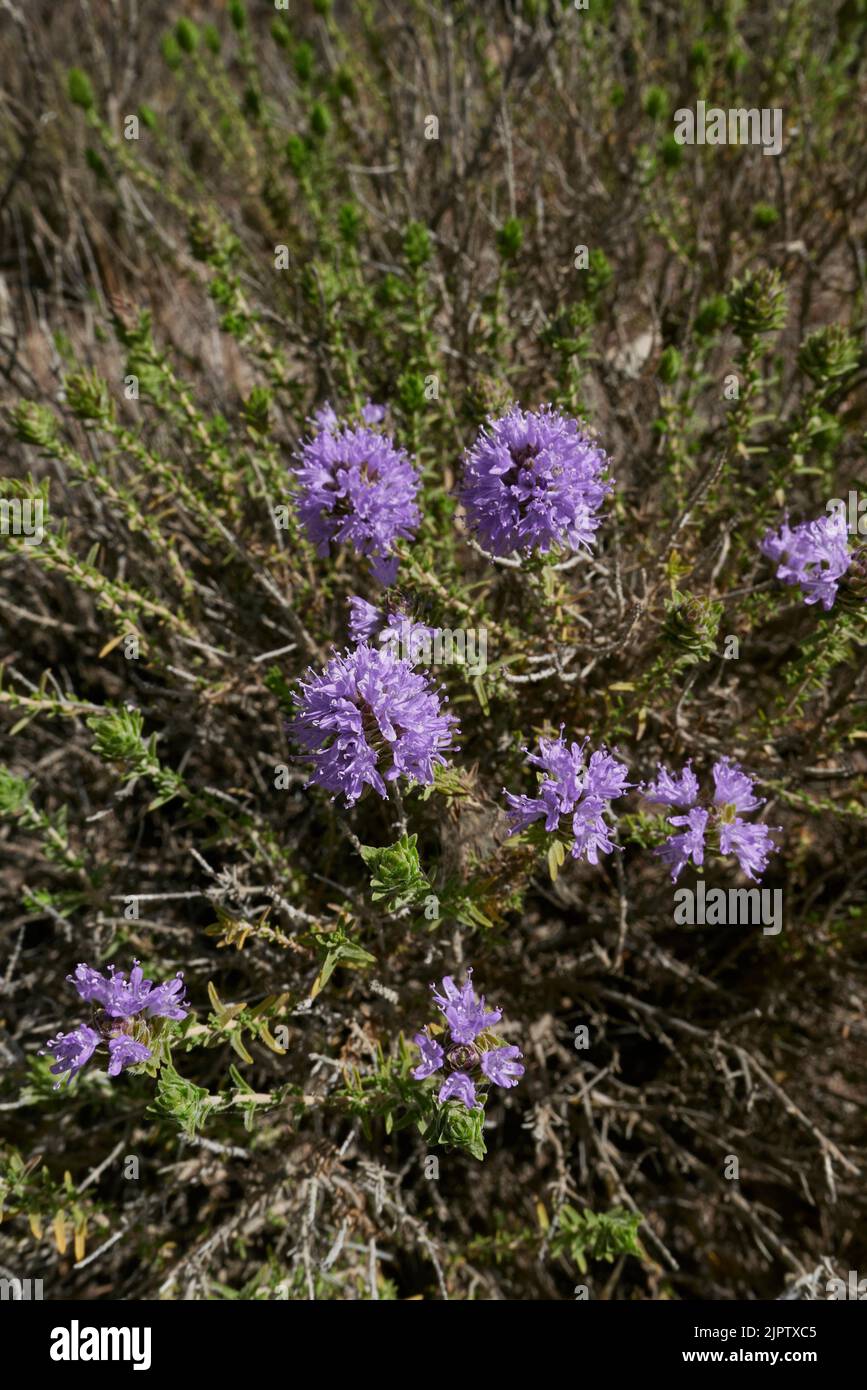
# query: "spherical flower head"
x,y
501,1066
751,844
679,849
432,1056
357,488
460,1087
71,1051
733,794
574,786
464,1012
732,787
367,719
814,554
670,790
125,1052
533,480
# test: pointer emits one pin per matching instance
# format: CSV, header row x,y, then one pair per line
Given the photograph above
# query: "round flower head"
x,y
575,786
750,844
367,719
814,555
467,1050
118,1000
733,796
357,487
532,480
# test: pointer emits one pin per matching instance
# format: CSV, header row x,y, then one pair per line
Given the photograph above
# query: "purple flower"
x,y
91,985
121,997
468,1021
166,1001
118,999
367,719
533,479
71,1051
325,418
357,488
572,786
366,621
814,554
464,1012
679,849
606,777
500,1066
733,787
733,793
393,628
751,844
460,1087
673,791
125,1052
432,1056
523,810
592,833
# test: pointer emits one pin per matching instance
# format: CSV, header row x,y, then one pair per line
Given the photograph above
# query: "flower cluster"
x,y
471,1051
532,480
121,1006
367,719
814,555
751,844
367,623
357,487
572,786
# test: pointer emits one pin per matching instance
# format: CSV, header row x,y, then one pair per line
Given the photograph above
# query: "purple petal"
x,y
672,790
460,1087
733,787
125,1052
71,1051
432,1056
751,844
499,1065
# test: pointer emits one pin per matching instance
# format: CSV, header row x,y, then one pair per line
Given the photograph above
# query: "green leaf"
x,y
396,876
